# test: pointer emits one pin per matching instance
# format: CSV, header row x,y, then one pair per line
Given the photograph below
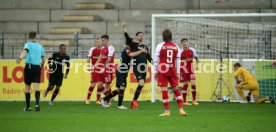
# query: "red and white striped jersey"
x,y
106,52
187,57
94,54
166,58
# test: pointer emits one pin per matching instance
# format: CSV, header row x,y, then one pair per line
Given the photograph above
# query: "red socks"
x,y
184,92
178,98
165,97
90,90
99,91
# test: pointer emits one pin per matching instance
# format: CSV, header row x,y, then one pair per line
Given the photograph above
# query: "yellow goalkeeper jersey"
x,y
245,75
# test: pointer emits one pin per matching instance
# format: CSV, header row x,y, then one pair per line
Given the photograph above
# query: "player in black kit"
x,y
140,62
56,67
121,76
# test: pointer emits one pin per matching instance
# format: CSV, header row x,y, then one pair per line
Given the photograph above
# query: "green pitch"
x,y
78,117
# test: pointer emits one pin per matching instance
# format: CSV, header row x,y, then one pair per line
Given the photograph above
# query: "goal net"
x,y
249,39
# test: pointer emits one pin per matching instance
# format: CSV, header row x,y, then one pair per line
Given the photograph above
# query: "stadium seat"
x,y
93,6
68,30
80,18
54,43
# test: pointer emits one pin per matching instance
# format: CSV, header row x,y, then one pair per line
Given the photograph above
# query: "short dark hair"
x,y
61,45
105,36
139,33
32,35
184,39
237,65
167,35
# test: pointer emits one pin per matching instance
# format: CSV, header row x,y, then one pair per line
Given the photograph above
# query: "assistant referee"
x,y
35,59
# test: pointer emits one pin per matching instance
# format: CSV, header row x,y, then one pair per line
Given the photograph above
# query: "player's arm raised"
x,y
128,39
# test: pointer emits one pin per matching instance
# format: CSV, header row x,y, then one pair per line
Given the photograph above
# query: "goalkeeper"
x,y
248,82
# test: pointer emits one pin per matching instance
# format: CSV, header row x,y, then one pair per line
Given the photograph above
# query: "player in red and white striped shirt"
x,y
106,66
187,71
93,56
166,67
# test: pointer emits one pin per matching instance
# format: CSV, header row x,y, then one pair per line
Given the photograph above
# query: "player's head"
x,y
185,42
62,49
32,35
98,42
236,66
140,36
167,35
105,40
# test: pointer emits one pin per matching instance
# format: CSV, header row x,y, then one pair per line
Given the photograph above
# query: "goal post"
x,y
247,38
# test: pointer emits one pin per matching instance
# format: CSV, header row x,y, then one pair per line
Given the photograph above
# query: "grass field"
x,y
78,117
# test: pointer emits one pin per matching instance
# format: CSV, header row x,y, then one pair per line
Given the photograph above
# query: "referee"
x,y
34,54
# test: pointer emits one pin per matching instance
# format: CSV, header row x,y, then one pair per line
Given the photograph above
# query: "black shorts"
x,y
140,72
32,74
55,79
121,79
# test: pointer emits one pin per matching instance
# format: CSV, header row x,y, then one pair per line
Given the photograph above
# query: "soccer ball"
x,y
225,99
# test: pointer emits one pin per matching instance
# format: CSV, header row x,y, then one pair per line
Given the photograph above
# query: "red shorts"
x,y
105,77
163,80
187,77
94,77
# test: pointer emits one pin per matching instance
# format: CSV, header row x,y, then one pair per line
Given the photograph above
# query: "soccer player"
x,y
248,82
187,72
56,64
105,65
167,70
35,59
121,76
93,56
140,62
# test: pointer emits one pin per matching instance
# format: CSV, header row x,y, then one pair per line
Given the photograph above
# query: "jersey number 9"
x,y
169,56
